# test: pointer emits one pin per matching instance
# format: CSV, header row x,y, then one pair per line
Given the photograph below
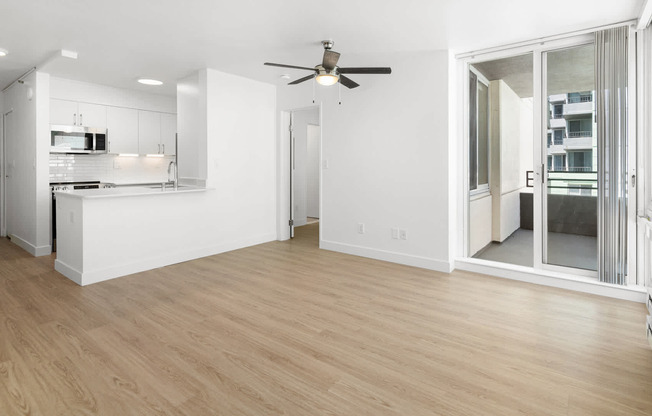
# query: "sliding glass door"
x,y
570,179
548,198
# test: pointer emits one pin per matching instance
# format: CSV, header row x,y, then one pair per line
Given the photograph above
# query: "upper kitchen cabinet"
x,y
156,133
122,125
169,133
72,113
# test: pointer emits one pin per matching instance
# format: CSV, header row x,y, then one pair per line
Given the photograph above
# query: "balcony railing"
x,y
574,181
582,99
580,133
571,169
557,115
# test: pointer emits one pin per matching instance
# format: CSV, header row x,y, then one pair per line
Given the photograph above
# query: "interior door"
x,y
569,159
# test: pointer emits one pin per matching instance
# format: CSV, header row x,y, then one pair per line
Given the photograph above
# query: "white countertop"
x,y
130,191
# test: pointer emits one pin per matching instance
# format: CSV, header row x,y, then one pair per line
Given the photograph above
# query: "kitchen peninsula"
x,y
108,233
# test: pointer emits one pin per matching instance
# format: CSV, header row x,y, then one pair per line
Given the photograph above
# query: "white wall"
x,y
27,147
303,163
511,139
387,148
227,140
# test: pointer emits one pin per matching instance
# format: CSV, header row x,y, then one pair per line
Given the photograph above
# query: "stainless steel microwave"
x,y
78,139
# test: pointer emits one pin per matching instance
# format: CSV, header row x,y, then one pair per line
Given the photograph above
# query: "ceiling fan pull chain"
x,y
339,92
313,90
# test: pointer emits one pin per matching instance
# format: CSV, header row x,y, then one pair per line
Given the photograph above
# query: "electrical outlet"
x,y
324,164
72,217
360,228
403,234
395,233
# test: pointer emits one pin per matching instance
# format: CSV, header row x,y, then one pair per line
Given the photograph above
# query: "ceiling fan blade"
x,y
300,80
330,59
289,66
348,82
365,70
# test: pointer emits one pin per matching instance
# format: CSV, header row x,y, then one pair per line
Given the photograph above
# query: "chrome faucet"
x,y
175,179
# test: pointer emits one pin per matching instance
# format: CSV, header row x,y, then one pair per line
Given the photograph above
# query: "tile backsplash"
x,y
108,168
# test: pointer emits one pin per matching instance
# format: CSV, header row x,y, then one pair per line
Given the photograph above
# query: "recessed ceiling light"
x,y
147,81
3,52
285,76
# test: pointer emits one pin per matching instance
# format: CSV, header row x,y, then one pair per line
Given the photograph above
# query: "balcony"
x,y
580,108
556,98
582,142
557,123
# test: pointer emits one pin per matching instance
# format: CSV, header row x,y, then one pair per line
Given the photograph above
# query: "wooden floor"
x,y
286,329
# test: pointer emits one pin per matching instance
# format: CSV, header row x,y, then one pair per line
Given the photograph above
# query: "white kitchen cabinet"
x,y
72,113
92,115
122,125
149,132
168,133
63,112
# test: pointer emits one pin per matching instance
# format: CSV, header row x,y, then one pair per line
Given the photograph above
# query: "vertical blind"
x,y
611,119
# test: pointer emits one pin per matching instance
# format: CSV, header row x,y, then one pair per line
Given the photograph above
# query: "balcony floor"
x,y
563,249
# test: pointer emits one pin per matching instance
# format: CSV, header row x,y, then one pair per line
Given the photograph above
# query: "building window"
x,y
557,111
559,137
580,128
559,163
478,133
580,161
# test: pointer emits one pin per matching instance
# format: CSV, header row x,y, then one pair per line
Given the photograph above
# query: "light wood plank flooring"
x,y
287,329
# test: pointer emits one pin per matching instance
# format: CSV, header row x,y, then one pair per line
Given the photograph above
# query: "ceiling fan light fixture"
x,y
326,77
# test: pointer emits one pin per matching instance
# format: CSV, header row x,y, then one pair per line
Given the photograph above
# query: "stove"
x,y
69,186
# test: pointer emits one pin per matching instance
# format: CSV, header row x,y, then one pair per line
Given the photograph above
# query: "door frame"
x,y
537,48
284,165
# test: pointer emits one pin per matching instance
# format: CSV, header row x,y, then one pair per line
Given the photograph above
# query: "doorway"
x,y
305,183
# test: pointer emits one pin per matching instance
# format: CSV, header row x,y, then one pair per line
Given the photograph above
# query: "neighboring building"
x,y
572,144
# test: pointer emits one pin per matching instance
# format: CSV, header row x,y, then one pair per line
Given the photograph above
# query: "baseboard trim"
x,y
552,279
70,272
88,277
390,256
35,251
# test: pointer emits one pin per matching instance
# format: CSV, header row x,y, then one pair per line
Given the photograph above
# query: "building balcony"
x,y
556,149
578,143
557,98
579,109
557,123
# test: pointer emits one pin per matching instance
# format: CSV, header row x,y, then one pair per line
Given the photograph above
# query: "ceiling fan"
x,y
328,73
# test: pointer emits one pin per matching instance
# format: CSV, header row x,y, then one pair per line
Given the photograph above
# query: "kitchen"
x,y
133,208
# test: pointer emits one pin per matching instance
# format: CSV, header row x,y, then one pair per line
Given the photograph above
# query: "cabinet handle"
x,y
159,147
163,148
74,119
81,123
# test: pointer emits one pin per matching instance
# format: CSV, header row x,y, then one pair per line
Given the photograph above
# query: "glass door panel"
x,y
570,200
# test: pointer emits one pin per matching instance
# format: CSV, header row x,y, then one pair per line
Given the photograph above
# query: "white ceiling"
x,y
121,40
